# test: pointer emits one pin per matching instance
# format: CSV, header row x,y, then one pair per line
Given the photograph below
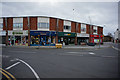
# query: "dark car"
x,y
91,44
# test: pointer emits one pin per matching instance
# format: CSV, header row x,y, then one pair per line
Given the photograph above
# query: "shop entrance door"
x,y
43,40
66,40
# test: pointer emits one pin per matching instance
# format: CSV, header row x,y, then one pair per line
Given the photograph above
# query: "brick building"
x,y
48,31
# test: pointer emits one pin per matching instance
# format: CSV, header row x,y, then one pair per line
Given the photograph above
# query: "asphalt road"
x,y
27,63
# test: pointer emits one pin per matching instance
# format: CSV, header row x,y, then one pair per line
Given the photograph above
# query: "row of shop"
x,y
47,38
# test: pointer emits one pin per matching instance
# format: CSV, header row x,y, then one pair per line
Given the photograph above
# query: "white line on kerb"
x,y
36,75
91,53
12,65
115,48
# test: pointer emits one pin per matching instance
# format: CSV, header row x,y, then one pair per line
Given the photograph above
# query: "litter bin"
x,y
58,45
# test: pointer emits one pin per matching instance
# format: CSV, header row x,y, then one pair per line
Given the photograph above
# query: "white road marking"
x,y
91,53
72,52
36,75
115,48
12,65
22,51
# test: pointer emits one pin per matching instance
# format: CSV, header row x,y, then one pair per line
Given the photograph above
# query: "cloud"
x,y
101,13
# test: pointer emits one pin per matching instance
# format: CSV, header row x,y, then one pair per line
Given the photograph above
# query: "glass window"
x,y
1,25
83,28
43,25
67,27
18,25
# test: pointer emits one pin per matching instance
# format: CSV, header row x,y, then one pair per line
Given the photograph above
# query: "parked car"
x,y
91,44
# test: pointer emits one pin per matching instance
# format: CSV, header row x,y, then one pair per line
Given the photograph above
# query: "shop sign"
x,y
82,35
66,34
2,33
96,36
43,33
18,32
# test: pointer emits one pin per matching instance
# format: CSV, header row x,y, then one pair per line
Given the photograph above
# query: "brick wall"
x,y
87,28
25,23
73,27
60,25
100,30
79,28
33,23
10,23
53,24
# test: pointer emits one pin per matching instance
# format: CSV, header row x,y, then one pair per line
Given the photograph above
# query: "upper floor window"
x,y
1,23
17,23
94,29
83,28
67,26
43,23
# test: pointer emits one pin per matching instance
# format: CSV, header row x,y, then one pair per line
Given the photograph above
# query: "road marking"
x,y
8,73
72,52
91,53
115,48
22,51
36,75
12,65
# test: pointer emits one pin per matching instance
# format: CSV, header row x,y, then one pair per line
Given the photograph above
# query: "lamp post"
x,y
28,32
6,31
90,29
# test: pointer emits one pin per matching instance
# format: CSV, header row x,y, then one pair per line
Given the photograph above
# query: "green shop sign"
x,y
67,34
17,33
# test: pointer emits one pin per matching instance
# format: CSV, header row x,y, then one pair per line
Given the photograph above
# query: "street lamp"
x,y
6,31
28,32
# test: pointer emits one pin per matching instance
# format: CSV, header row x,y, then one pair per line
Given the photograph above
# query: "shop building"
x,y
44,31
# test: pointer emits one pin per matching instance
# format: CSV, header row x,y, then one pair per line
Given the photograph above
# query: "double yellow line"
x,y
7,74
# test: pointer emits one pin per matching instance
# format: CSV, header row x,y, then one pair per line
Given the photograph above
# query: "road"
x,y
27,63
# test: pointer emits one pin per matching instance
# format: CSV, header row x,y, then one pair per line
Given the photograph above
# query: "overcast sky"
x,y
100,13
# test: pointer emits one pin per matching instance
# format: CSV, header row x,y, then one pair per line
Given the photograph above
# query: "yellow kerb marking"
x,y
8,73
5,75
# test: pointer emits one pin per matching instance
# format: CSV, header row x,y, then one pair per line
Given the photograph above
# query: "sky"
x,y
103,14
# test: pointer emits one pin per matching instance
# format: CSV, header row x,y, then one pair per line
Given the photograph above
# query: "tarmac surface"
x,y
35,64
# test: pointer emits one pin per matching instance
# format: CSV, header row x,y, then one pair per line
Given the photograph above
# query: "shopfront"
x,y
82,38
18,37
66,37
42,38
96,39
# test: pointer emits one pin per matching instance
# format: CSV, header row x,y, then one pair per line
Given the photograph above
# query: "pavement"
x,y
44,63
105,45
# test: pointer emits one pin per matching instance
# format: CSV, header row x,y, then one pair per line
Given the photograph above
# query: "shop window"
x,y
43,25
18,25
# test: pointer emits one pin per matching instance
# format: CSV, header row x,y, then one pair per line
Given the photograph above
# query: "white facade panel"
x,y
67,30
68,23
82,35
43,20
1,20
17,20
17,28
43,29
